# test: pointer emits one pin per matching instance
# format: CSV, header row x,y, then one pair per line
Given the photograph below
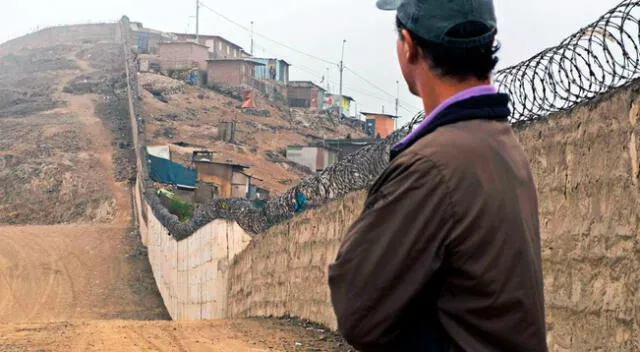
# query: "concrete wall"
x,y
586,166
284,271
192,274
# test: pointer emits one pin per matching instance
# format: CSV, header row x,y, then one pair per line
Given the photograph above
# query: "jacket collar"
x,y
480,107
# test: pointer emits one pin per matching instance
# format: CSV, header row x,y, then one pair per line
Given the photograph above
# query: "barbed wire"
x,y
595,59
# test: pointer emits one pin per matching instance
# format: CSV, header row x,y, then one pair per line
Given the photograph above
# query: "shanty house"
x,y
183,55
229,178
334,101
238,72
305,94
315,158
379,125
273,70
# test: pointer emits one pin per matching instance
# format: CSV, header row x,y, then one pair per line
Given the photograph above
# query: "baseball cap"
x,y
432,19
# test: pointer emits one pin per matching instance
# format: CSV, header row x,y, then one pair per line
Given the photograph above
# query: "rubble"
x,y
256,112
92,84
228,91
160,85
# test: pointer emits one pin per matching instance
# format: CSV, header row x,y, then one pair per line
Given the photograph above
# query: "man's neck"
x,y
444,89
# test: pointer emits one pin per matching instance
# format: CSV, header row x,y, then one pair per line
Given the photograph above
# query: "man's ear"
x,y
410,48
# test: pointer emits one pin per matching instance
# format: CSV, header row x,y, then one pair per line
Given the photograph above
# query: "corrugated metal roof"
x,y
228,163
379,114
304,84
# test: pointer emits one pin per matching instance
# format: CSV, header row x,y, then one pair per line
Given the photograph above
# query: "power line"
x,y
402,105
265,37
380,89
307,69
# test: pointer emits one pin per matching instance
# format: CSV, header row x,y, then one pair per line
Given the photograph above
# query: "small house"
x,y
379,125
305,94
230,179
217,46
334,101
273,70
316,158
183,55
239,72
148,40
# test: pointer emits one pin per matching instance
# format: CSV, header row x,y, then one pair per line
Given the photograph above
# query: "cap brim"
x,y
388,5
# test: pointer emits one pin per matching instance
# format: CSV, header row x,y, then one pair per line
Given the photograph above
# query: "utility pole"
x,y
341,74
252,38
327,78
397,104
197,21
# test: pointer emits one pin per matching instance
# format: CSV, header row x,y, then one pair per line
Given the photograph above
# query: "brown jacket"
x,y
446,254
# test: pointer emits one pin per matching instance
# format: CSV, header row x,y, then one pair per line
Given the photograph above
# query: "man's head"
x,y
444,41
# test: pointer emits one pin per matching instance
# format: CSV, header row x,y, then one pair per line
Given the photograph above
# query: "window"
x,y
220,46
228,50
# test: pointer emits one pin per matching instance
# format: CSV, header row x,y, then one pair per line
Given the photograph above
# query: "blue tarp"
x,y
168,172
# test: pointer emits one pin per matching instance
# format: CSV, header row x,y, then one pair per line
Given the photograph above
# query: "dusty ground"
x,y
193,116
53,148
124,336
73,276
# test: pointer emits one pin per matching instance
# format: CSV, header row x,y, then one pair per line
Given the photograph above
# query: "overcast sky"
x,y
316,27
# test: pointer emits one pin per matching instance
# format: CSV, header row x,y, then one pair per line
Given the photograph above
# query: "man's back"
x,y
492,296
446,254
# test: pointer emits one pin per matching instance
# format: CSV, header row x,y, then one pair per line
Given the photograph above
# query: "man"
x,y
446,254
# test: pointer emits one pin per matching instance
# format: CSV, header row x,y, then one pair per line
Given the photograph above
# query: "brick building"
x,y
238,72
379,125
218,47
183,55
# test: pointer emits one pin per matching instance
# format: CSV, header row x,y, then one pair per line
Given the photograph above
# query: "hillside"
x,y
56,150
191,117
73,273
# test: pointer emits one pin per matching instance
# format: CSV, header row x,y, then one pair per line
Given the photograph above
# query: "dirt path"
x,y
83,107
53,273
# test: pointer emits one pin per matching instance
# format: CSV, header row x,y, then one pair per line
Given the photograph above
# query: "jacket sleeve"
x,y
391,252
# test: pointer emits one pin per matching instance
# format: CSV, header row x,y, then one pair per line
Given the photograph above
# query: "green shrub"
x,y
183,210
